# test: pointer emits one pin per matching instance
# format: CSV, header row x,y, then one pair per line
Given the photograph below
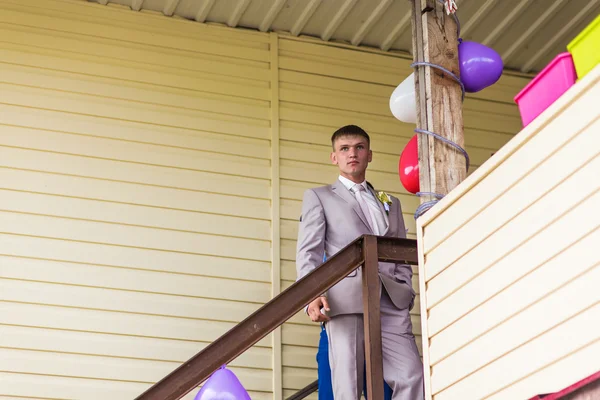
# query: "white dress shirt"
x,y
376,216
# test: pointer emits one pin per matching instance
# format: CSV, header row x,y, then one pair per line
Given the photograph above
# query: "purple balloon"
x,y
480,66
222,385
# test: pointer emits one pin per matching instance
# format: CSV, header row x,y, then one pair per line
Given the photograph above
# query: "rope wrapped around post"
x,y
428,204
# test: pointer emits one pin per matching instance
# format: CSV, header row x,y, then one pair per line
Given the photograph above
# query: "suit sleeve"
x,y
404,271
311,235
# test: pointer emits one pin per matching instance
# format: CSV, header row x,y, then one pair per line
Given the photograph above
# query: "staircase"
x,y
365,251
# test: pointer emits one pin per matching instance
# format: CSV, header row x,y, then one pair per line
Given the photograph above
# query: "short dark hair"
x,y
349,130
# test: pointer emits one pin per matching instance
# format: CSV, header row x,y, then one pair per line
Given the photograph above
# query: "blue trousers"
x,y
324,371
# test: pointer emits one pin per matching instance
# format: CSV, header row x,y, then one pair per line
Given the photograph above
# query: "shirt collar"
x,y
349,184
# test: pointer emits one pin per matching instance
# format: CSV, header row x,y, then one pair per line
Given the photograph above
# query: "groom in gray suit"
x,y
332,217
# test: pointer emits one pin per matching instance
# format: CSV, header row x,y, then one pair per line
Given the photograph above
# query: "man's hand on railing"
x,y
314,309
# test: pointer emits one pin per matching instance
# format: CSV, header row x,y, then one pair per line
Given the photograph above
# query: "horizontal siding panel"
x,y
337,69
119,346
300,335
103,188
289,229
130,152
116,323
96,30
391,141
109,368
373,123
333,99
523,160
127,131
504,90
288,273
563,341
145,57
333,119
163,77
517,297
337,85
544,185
372,61
122,109
59,387
120,171
317,95
114,14
477,120
128,214
298,378
524,246
556,308
165,294
27,385
135,259
132,236
289,392
557,376
514,232
299,357
135,92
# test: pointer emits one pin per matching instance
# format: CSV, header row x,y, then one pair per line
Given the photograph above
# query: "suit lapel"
x,y
340,190
382,209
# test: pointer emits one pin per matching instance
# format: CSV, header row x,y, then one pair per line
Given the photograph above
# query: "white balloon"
x,y
403,102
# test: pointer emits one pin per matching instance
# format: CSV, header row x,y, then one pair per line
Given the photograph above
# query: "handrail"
x,y
366,250
302,393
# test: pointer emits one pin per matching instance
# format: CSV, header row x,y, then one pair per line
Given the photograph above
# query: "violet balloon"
x,y
222,385
480,66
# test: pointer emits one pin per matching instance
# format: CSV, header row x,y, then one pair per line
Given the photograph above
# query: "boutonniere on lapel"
x,y
386,200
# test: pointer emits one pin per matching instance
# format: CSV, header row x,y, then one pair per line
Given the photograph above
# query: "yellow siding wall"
x,y
511,262
140,196
135,197
323,88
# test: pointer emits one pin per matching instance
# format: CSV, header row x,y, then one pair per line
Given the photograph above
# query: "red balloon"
x,y
408,166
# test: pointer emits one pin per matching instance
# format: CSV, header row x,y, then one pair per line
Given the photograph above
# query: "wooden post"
x,y
372,319
438,96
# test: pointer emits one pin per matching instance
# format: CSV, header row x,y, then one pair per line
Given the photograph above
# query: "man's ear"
x,y
370,155
333,158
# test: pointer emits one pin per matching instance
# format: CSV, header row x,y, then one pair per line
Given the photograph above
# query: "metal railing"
x,y
367,250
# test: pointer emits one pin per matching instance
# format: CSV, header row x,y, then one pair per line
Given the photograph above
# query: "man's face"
x,y
352,155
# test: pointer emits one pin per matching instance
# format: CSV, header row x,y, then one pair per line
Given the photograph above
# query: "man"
x,y
332,217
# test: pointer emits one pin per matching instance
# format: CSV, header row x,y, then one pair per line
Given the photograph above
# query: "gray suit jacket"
x,y
331,219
